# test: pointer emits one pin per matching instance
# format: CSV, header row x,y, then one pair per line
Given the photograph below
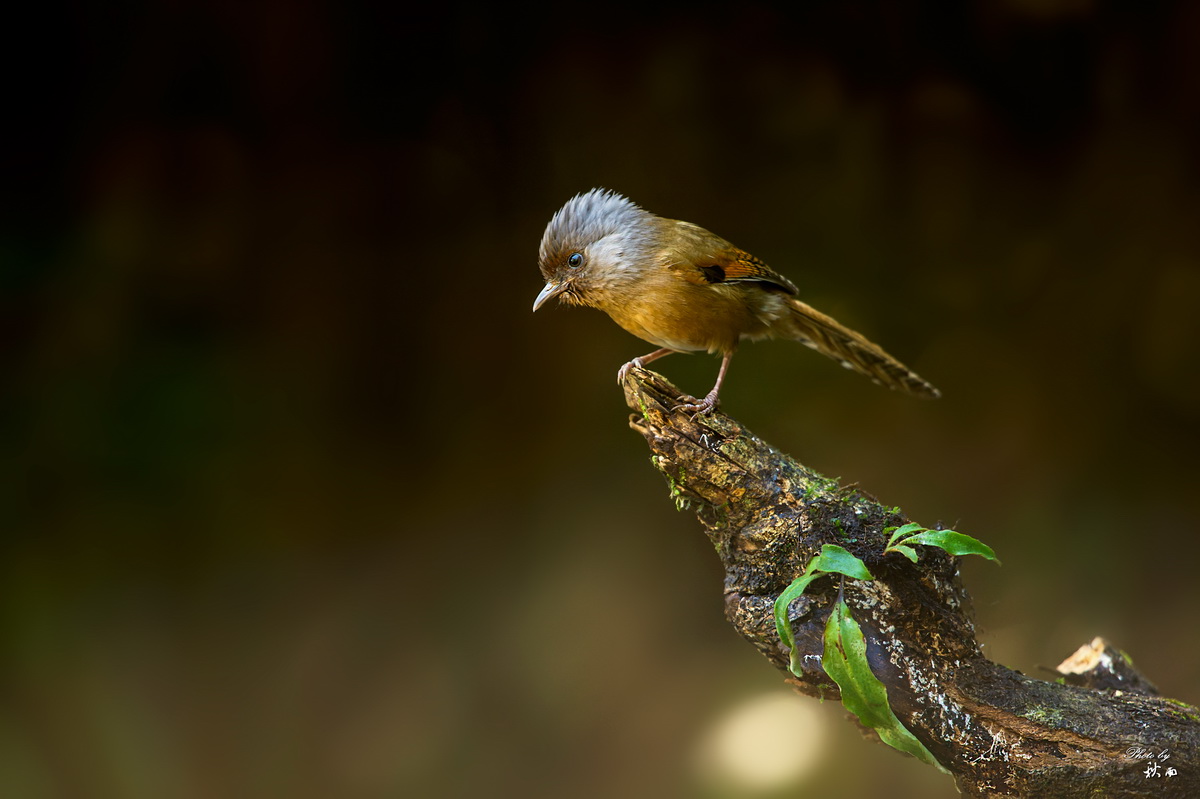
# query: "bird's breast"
x,y
692,318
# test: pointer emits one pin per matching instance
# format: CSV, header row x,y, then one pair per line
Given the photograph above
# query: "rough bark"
x,y
999,732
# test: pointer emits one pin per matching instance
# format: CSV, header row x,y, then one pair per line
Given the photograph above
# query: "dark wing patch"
x,y
713,274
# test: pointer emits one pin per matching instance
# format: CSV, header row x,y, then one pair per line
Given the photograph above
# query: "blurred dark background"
x,y
300,500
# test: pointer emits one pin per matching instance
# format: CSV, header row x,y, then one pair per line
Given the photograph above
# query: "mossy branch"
x,y
997,731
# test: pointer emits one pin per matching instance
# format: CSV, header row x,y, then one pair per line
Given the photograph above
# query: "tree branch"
x,y
999,732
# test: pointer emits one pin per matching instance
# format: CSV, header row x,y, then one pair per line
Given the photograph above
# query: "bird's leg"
x,y
641,362
709,403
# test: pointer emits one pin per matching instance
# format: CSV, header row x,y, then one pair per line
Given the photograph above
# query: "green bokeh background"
x,y
300,500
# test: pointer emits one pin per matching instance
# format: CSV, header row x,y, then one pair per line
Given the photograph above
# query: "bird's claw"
x,y
623,372
688,403
701,408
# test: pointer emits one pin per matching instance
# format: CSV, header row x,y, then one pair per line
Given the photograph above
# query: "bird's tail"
x,y
853,351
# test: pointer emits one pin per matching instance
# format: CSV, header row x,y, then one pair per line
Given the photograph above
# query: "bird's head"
x,y
597,240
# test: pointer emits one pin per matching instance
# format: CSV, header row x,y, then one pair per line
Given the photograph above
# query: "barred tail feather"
x,y
854,351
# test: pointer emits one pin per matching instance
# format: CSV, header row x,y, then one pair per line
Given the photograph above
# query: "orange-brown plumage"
x,y
684,289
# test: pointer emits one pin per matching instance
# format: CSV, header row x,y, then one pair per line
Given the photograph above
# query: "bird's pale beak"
x,y
552,289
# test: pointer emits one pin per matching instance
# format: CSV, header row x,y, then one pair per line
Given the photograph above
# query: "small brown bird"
x,y
685,290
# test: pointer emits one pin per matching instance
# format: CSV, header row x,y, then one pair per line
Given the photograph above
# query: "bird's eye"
x,y
575,261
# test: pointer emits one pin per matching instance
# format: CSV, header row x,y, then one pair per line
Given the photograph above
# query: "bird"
x,y
684,289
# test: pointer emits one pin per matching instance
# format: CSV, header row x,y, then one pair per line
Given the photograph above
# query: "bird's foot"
x,y
701,408
623,372
640,362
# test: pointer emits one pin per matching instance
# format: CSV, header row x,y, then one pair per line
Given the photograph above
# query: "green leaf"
x,y
835,559
782,625
794,664
911,534
900,532
832,560
954,543
845,661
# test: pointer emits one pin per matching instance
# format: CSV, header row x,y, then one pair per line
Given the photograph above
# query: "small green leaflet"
x,y
832,560
845,661
905,537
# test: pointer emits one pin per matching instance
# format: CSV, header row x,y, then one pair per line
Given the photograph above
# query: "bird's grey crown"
x,y
587,218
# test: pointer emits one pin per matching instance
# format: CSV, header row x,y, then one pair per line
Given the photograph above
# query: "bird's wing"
x,y
704,259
